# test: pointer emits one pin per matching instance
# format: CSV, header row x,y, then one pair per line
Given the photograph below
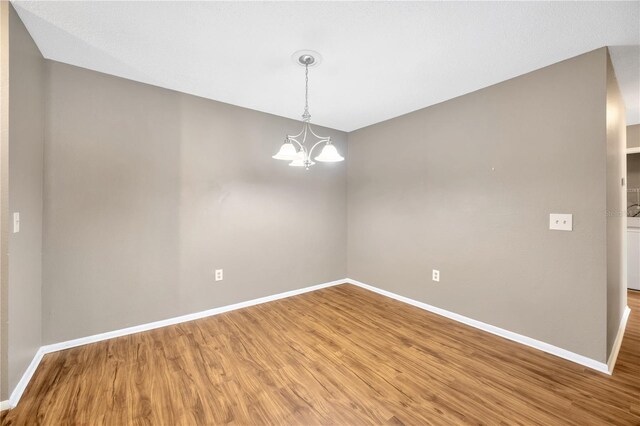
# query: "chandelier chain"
x,y
306,114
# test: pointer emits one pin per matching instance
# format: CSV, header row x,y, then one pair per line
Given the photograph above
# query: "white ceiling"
x,y
380,59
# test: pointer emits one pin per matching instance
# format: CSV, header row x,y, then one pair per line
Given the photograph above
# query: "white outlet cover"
x,y
435,275
561,222
219,275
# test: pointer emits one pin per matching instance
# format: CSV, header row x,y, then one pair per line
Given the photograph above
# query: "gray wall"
x,y
147,191
4,197
466,187
616,198
26,143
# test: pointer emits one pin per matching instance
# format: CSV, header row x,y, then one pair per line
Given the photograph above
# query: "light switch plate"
x,y
16,222
561,222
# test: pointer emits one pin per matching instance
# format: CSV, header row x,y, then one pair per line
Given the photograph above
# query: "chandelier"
x,y
294,148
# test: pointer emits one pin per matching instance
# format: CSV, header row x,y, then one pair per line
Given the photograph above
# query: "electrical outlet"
x,y
218,274
435,275
561,222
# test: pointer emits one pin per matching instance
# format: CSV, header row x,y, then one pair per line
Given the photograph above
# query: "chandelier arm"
x,y
318,136
305,131
316,144
302,133
292,139
296,136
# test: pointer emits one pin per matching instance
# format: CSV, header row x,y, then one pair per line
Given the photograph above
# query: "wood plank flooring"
x,y
341,355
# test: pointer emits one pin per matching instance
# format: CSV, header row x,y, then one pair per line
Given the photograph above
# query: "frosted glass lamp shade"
x,y
329,154
287,152
299,160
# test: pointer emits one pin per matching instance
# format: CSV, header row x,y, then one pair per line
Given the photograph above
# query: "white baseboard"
x,y
183,318
613,357
4,405
537,344
26,377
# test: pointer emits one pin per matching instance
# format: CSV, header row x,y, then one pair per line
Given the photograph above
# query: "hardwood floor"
x,y
340,355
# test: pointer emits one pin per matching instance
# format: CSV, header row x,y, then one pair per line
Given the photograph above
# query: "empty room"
x,y
319,213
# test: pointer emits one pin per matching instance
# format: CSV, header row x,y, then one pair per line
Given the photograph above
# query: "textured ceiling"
x,y
380,59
